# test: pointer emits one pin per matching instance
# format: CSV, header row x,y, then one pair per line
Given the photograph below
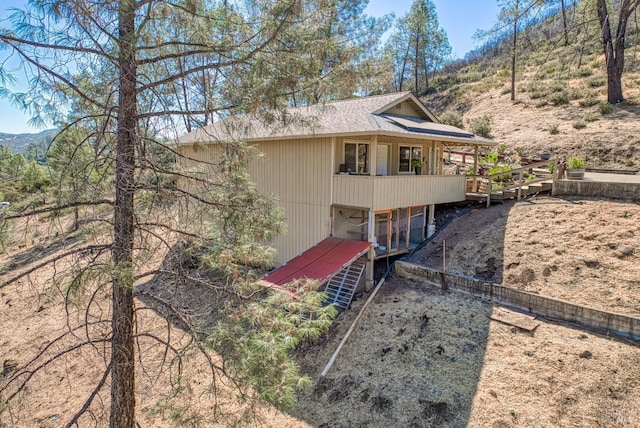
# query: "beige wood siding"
x,y
298,173
406,108
381,193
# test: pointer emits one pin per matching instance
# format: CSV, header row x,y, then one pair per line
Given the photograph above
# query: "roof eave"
x,y
476,141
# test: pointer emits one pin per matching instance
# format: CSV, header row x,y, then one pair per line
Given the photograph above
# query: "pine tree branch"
x,y
56,208
88,248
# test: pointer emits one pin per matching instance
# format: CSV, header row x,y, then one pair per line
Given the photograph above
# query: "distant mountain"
x,y
18,143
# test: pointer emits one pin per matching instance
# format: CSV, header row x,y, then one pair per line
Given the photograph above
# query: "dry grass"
x,y
610,142
583,250
424,358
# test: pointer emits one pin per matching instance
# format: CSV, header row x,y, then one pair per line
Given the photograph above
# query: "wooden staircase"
x,y
342,286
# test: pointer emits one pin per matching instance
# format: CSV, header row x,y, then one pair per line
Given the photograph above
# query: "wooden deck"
x,y
478,185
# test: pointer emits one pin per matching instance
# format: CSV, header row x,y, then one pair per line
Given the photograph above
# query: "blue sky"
x,y
459,18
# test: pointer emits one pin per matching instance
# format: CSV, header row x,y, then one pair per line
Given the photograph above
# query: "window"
x,y
356,157
408,154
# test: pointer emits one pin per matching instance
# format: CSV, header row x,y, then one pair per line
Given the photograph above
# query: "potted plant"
x,y
575,168
416,164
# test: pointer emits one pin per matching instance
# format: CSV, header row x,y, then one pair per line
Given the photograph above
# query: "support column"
x,y
373,156
431,224
474,188
372,251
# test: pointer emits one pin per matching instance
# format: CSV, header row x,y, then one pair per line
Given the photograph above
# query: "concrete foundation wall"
x,y
593,319
597,189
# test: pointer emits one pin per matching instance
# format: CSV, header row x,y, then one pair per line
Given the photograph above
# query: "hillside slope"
x,y
560,107
19,143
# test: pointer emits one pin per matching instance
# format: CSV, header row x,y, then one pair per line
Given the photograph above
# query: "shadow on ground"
x,y
414,361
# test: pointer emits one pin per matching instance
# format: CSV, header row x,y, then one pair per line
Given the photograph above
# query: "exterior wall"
x,y
299,173
406,108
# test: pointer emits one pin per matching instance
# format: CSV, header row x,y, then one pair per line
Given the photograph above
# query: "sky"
x,y
459,18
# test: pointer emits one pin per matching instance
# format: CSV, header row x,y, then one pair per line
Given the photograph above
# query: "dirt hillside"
x,y
424,358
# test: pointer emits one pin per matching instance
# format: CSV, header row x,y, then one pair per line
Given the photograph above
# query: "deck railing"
x,y
378,193
485,186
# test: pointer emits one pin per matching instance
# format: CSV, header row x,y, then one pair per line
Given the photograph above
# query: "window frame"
x,y
411,159
367,161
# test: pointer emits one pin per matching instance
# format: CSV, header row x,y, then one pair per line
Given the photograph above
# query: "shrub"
x,y
498,169
556,86
553,130
596,82
480,126
590,117
605,108
452,117
559,99
579,124
576,93
537,94
588,102
583,72
542,103
575,162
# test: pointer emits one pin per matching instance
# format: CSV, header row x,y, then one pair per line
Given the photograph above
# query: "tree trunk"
x,y
565,27
417,62
609,53
513,54
404,69
122,413
614,49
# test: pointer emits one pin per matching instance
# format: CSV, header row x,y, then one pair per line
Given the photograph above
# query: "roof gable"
x,y
405,106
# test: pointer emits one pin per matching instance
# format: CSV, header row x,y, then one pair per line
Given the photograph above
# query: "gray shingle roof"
x,y
346,117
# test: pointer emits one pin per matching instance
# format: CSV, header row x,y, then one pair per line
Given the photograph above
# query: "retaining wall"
x,y
593,319
597,189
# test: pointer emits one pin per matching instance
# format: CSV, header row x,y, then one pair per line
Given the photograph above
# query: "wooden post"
x,y
353,326
444,266
408,232
372,251
424,221
489,192
373,156
431,221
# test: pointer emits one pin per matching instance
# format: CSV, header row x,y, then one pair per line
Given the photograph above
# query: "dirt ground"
x,y
419,358
425,358
583,250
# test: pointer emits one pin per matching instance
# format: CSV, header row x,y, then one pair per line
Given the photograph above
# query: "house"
x,y
345,171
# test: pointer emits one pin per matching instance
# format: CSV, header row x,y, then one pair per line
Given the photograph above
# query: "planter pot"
x,y
545,156
418,170
575,174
